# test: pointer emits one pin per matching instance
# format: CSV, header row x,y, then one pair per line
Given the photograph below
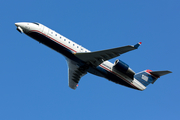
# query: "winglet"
x,y
137,45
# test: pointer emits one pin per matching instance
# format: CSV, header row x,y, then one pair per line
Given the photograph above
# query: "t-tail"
x,y
148,76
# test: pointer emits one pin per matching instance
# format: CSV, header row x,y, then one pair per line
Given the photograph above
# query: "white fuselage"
x,y
68,48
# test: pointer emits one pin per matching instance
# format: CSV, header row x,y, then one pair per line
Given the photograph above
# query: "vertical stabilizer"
x,y
148,76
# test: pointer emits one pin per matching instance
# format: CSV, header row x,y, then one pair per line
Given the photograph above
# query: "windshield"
x,y
36,23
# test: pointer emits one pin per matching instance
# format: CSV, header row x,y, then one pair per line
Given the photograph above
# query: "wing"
x,y
98,57
75,73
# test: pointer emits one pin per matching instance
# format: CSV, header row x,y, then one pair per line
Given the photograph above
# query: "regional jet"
x,y
81,61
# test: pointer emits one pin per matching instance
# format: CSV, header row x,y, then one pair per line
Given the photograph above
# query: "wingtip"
x,y
137,45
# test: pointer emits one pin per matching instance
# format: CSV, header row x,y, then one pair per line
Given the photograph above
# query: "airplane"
x,y
81,61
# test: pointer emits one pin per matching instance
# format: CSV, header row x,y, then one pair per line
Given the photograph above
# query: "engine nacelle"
x,y
122,67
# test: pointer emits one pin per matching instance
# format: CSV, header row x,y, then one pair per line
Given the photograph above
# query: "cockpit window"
x,y
36,23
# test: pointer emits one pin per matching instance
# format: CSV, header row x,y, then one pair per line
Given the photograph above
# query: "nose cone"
x,y
21,27
20,24
16,24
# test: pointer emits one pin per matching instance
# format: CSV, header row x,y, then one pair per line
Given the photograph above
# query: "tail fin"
x,y
148,76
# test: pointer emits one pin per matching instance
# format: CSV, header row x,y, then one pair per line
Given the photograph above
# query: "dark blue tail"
x,y
148,76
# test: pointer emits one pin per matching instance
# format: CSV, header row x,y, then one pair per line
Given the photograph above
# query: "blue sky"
x,y
34,78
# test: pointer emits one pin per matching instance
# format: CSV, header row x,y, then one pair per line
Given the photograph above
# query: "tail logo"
x,y
144,77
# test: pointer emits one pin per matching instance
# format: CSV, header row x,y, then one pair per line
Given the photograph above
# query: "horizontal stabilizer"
x,y
160,73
